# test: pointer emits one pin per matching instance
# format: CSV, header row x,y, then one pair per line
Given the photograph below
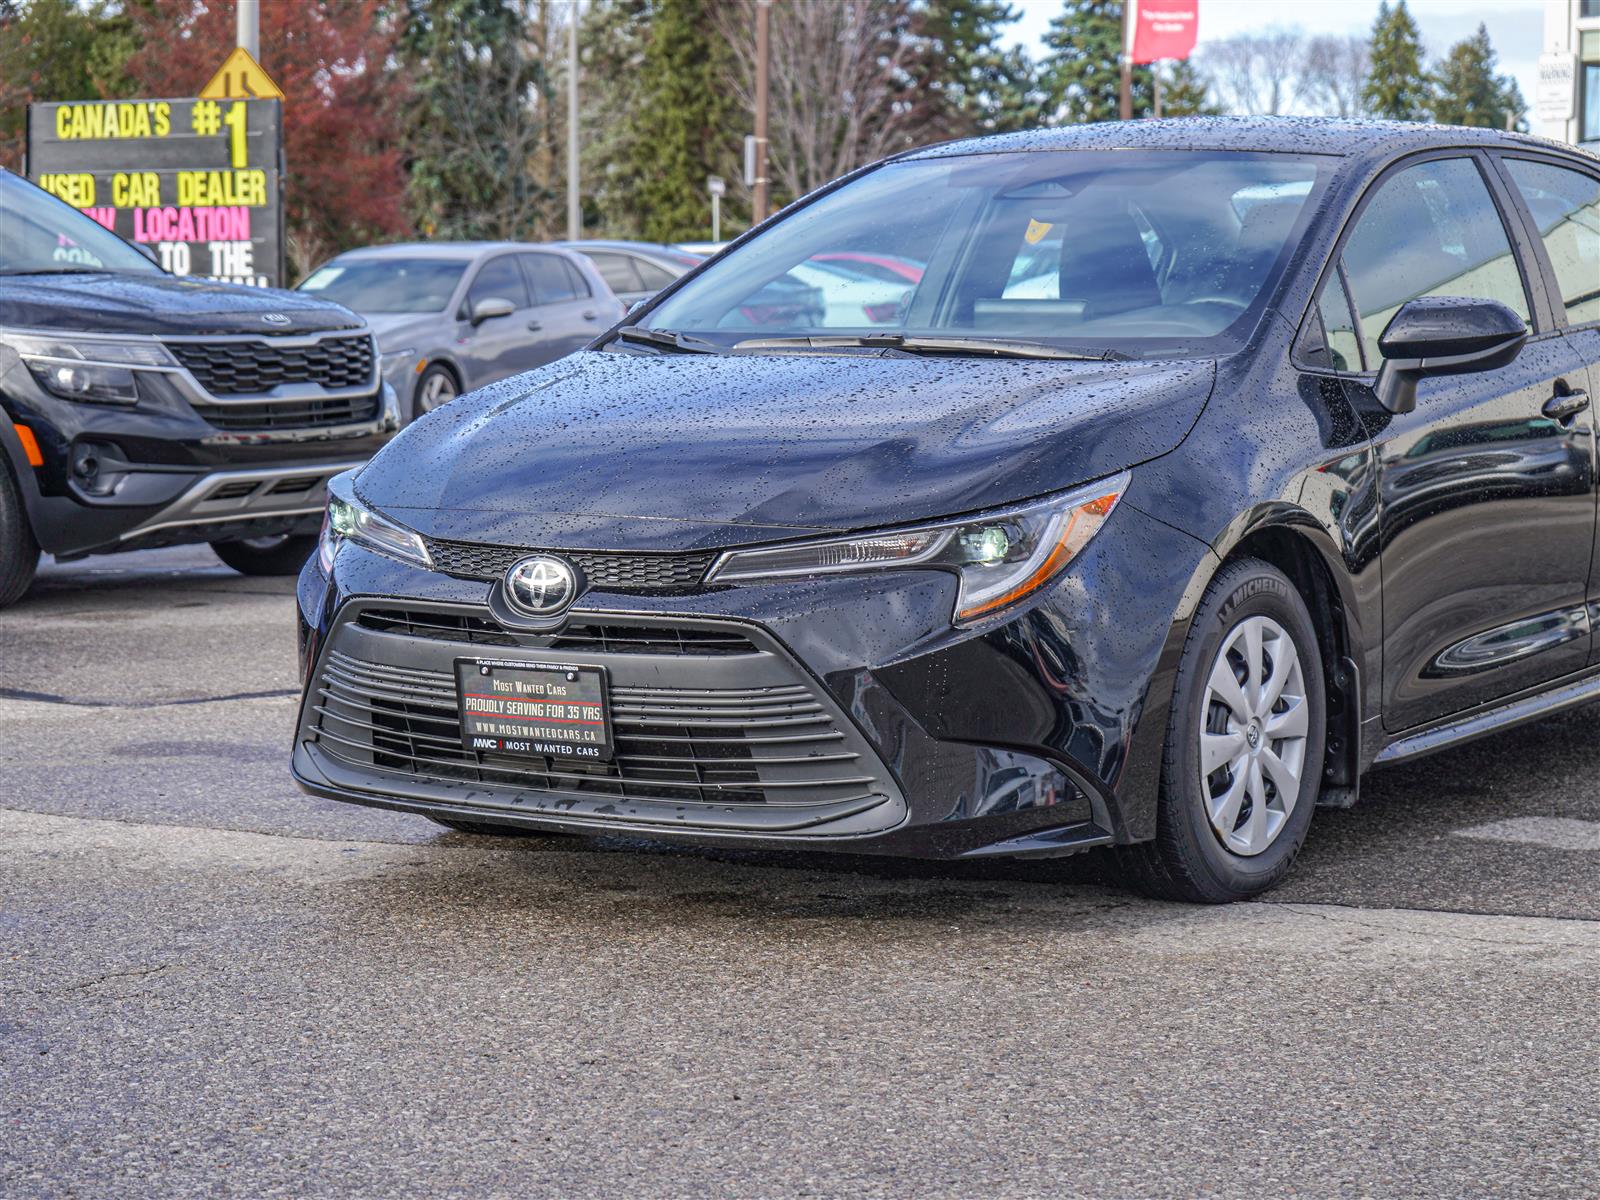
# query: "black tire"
x,y
1187,860
268,556
19,551
492,829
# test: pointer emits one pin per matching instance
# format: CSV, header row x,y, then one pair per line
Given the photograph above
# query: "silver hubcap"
x,y
437,389
1253,729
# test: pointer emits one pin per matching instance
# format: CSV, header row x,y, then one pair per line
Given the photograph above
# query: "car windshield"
x,y
388,285
1140,253
40,234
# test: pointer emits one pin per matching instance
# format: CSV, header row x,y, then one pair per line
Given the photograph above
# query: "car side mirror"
x,y
148,251
490,307
1443,335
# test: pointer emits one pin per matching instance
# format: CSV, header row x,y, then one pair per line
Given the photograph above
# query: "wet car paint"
x,y
1300,466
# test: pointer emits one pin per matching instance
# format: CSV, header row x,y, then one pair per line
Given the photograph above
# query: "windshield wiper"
x,y
669,339
914,343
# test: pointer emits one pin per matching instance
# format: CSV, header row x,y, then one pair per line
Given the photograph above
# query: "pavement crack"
x,y
134,973
70,702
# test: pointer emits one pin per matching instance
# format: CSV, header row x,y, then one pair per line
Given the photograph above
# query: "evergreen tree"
x,y
1081,77
981,86
612,42
1466,90
1185,92
1396,87
691,128
58,50
476,123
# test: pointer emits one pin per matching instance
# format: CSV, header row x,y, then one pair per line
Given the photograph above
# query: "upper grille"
x,y
576,635
748,746
605,572
227,368
292,414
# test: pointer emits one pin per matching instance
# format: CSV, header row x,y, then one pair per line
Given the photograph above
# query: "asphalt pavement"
x,y
211,984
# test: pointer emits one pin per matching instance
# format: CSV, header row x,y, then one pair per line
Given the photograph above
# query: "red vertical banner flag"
x,y
1163,29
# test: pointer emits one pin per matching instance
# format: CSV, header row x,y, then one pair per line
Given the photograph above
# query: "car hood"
x,y
619,451
163,305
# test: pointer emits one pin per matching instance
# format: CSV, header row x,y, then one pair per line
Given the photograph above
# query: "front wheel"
x,y
283,555
436,387
19,552
1244,747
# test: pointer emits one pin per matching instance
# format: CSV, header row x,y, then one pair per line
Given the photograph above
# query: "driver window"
x,y
1431,230
498,279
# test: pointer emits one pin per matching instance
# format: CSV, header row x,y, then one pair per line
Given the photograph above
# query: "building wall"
x,y
1573,27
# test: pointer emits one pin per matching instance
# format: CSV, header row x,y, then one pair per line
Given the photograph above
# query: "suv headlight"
x,y
90,370
347,519
1001,558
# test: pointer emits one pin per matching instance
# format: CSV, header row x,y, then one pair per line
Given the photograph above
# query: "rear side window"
x,y
553,280
1431,230
1566,207
499,279
653,277
616,270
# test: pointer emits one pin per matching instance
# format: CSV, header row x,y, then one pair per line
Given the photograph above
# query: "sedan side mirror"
x,y
490,307
1443,335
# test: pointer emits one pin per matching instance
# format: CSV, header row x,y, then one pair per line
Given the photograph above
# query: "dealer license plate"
x,y
534,710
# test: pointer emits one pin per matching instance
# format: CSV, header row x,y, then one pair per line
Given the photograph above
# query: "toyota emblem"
x,y
275,318
541,586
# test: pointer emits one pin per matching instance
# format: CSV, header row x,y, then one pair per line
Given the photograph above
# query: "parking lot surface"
x,y
212,984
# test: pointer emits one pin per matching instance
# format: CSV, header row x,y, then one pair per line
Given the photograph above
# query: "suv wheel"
x,y
19,552
1244,744
282,555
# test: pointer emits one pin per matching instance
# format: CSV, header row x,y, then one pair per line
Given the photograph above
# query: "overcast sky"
x,y
1516,27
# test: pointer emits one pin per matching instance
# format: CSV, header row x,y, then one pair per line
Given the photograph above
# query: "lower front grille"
x,y
292,414
771,745
576,635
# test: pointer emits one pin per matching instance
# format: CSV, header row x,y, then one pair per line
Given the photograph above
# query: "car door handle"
x,y
590,315
1565,405
534,327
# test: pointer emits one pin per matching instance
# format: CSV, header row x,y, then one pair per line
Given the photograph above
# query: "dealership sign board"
x,y
1161,29
1558,75
199,182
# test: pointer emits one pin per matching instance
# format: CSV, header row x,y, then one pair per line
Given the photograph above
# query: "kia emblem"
x,y
275,318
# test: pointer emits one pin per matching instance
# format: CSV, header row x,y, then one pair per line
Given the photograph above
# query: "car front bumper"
x,y
842,713
159,472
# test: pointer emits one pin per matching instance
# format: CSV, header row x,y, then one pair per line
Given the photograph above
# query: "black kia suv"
x,y
142,409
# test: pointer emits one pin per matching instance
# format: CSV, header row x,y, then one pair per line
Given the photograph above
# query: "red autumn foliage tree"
x,y
333,59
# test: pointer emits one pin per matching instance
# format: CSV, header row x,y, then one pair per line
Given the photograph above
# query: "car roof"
x,y
1305,135
460,251
620,244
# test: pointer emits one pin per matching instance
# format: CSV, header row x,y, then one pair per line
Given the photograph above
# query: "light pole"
x,y
574,211
247,28
758,200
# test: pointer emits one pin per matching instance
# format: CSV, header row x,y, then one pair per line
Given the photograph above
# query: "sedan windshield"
x,y
388,285
41,235
1138,253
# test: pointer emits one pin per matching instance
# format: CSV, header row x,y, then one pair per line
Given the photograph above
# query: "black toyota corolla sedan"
x,y
1200,466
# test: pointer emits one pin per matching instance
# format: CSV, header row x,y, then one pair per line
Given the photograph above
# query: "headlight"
x,y
347,519
91,370
1000,558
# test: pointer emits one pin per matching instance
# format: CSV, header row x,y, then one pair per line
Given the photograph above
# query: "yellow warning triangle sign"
x,y
241,78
